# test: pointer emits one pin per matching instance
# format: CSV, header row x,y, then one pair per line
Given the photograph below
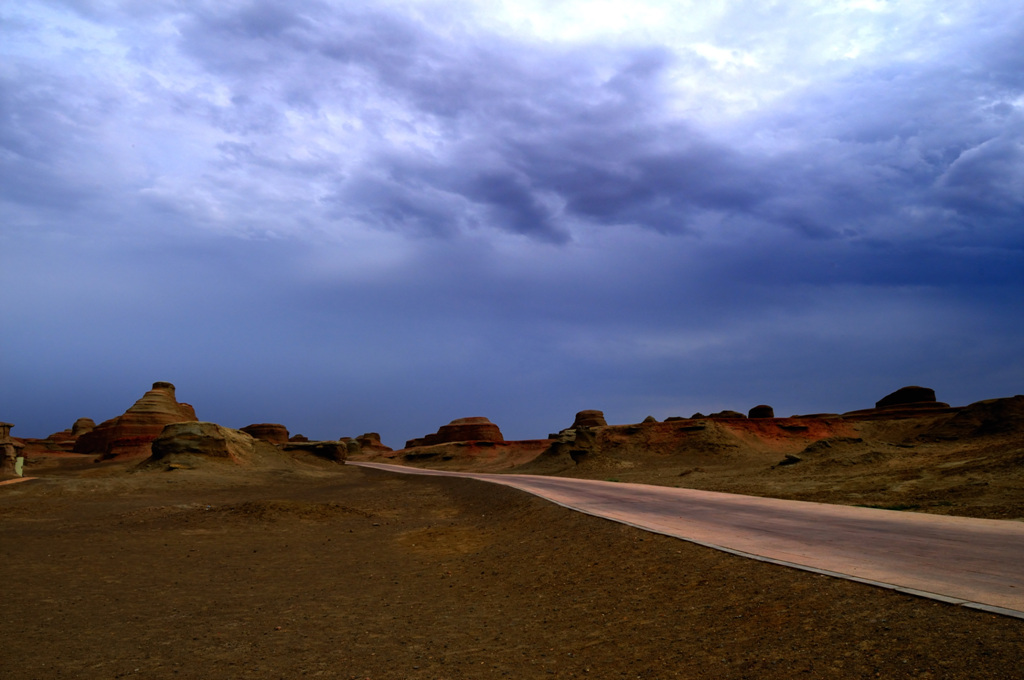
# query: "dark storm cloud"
x,y
531,140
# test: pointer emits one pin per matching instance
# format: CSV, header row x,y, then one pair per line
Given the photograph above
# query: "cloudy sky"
x,y
379,216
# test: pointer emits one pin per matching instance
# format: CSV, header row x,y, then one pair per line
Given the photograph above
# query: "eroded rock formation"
x,y
589,418
10,452
907,395
131,434
727,415
203,439
906,402
268,432
370,441
476,428
761,411
82,426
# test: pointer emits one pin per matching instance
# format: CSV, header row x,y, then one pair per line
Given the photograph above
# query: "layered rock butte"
x,y
131,434
476,428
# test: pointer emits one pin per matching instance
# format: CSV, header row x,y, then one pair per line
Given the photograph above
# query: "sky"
x,y
381,216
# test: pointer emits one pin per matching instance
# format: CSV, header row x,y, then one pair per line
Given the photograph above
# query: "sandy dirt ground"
x,y
337,572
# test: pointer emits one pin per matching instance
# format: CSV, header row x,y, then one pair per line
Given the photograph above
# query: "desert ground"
x,y
309,568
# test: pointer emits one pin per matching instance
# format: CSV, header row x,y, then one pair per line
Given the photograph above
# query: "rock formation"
x,y
906,402
761,411
10,452
461,430
991,417
727,415
590,418
298,438
130,435
82,426
203,439
268,432
907,395
371,442
63,441
329,450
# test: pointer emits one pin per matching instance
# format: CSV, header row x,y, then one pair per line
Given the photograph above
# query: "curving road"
x,y
976,563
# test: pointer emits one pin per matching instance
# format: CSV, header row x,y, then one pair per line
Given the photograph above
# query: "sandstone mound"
x,y
906,402
727,415
991,417
268,432
82,426
589,418
131,434
461,430
762,411
370,442
208,440
907,395
59,442
197,444
328,450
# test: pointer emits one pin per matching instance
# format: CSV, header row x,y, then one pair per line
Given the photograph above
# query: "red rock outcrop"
x,y
371,442
131,434
82,426
268,432
474,429
590,418
761,411
59,442
461,430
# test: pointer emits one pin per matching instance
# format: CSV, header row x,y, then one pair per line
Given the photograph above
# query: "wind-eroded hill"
x,y
967,461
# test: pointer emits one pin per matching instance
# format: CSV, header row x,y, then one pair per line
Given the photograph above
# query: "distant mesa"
x,y
727,415
476,428
268,432
131,434
906,402
298,438
761,411
907,395
589,418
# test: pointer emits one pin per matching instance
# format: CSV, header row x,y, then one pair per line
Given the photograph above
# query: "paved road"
x,y
977,563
